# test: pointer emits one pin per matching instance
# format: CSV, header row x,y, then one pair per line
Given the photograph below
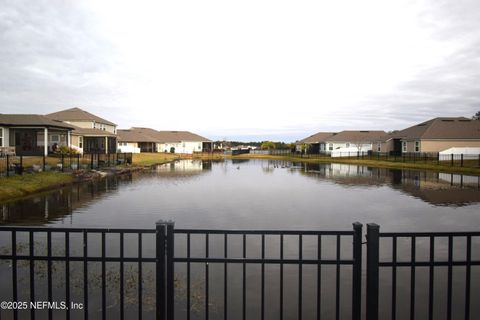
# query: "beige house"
x,y
91,133
434,136
150,140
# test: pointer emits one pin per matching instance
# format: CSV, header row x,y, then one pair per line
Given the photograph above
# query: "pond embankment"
x,y
19,186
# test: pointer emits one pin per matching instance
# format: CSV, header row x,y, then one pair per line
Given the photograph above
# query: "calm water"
x,y
260,195
249,195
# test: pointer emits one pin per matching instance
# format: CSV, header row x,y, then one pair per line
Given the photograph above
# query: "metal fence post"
x,y
44,162
165,289
160,270
91,161
451,160
21,166
372,270
461,160
8,165
357,272
170,271
63,163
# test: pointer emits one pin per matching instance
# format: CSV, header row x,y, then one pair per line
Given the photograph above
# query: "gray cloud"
x,y
52,55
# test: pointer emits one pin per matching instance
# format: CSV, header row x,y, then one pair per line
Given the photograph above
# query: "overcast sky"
x,y
249,69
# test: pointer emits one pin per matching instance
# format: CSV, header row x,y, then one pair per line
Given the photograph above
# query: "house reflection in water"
x,y
184,166
439,189
58,206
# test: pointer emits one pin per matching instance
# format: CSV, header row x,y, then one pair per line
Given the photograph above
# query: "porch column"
x,y
106,145
45,141
69,139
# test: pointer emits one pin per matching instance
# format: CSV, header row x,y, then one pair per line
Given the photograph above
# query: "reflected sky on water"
x,y
260,194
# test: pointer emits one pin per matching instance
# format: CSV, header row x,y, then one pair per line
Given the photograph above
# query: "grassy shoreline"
x,y
368,162
16,187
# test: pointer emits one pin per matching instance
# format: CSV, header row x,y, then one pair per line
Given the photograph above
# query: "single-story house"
x,y
33,134
183,142
137,140
361,140
434,135
314,143
150,140
91,133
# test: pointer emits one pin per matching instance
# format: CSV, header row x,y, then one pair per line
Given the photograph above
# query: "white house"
x,y
150,140
363,140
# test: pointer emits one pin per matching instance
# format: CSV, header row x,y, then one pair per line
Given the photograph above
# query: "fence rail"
x,y
10,165
146,272
433,158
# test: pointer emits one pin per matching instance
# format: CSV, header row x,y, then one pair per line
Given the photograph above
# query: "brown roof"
x,y
90,132
442,128
316,138
136,134
357,136
31,120
77,114
173,136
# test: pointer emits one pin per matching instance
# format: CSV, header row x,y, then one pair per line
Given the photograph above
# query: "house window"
x,y
54,138
379,147
330,146
417,146
404,146
347,145
80,142
1,137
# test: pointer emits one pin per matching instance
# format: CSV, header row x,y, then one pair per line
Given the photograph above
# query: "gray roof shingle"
x,y
77,114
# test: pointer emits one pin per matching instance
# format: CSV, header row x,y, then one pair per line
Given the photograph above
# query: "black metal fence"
x,y
10,165
244,274
459,160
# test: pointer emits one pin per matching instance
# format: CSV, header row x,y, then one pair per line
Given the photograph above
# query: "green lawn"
x,y
20,186
150,159
444,166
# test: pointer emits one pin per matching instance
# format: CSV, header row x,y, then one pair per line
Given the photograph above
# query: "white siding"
x,y
4,136
181,147
337,145
128,147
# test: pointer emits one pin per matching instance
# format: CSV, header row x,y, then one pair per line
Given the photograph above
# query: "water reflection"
x,y
59,205
436,188
259,194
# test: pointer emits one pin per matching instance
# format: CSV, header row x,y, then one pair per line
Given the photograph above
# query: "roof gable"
x,y
317,137
442,128
137,134
77,114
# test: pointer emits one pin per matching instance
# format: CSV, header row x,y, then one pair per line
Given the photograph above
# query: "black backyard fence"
x,y
432,158
169,273
12,164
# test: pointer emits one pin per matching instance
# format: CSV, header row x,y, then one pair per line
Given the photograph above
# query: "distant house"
x,y
91,133
362,140
434,135
137,140
33,134
150,140
314,143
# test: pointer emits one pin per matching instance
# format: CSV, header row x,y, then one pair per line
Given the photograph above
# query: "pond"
x,y
256,194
